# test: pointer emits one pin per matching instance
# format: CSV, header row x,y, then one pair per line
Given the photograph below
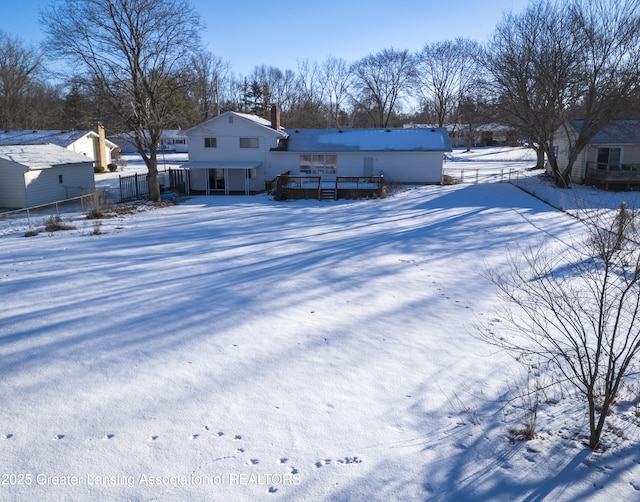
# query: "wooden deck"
x,y
610,176
291,187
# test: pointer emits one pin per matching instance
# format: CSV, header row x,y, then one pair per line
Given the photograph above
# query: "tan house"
x,y
611,159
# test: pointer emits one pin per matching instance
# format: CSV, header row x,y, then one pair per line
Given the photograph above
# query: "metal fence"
x,y
471,175
21,220
134,187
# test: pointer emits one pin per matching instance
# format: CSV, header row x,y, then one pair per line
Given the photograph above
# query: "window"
x,y
210,143
60,178
608,157
249,143
318,164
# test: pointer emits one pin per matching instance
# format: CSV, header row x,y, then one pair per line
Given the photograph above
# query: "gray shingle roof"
x,y
625,132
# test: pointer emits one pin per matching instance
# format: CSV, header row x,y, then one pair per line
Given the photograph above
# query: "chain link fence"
x,y
30,218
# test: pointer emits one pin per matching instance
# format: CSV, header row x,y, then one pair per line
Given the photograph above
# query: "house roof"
x,y
623,132
243,116
45,137
36,157
369,140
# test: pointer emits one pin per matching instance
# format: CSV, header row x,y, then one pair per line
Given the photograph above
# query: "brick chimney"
x,y
275,117
101,154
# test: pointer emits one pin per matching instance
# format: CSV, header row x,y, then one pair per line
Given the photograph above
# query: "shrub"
x,y
55,223
98,169
449,180
112,167
98,204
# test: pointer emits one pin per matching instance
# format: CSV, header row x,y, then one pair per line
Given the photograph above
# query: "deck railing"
x,y
287,186
601,173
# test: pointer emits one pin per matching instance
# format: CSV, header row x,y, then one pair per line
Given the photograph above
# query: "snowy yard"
x,y
238,348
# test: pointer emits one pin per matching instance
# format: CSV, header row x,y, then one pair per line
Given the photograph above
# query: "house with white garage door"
x,y
241,153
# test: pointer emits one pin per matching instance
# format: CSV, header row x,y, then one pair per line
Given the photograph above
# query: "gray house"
x,y
31,175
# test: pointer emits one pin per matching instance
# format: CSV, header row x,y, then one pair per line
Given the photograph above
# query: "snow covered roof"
x,y
617,132
45,137
36,157
369,140
244,116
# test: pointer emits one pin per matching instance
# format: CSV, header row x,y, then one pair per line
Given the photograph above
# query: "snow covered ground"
x,y
238,348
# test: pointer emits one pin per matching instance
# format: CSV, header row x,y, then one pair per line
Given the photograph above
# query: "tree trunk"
x,y
152,179
539,158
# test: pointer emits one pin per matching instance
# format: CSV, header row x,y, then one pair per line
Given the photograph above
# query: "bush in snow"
x,y
578,312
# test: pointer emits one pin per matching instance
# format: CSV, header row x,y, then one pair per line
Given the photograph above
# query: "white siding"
x,y
403,167
227,135
12,191
88,145
44,186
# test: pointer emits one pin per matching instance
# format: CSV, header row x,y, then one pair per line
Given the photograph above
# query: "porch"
x,y
291,187
626,176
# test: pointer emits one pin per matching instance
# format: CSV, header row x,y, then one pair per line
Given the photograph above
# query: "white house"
x,y
31,175
612,156
231,153
171,141
239,153
85,142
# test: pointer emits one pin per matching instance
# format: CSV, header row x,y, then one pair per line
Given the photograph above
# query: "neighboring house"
x,y
239,153
612,157
171,141
84,142
31,175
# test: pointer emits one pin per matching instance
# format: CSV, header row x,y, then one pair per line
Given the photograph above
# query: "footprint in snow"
x,y
253,461
240,450
272,489
237,437
153,438
58,437
7,436
194,436
108,436
350,460
220,434
283,460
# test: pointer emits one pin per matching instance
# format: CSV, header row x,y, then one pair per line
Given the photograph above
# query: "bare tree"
x,y
335,77
579,312
532,61
607,33
210,75
555,62
446,73
20,70
380,81
135,54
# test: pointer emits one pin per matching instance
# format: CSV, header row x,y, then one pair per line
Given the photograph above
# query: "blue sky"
x,y
249,33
